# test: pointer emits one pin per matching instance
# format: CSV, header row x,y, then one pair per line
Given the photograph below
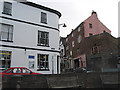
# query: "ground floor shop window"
x,y
5,59
31,64
43,63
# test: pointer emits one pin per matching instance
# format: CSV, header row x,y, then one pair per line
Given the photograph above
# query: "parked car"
x,y
18,71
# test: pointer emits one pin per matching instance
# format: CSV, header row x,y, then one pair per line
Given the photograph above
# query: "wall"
x,y
68,80
97,26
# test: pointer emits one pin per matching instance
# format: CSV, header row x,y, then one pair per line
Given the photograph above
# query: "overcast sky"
x,y
76,11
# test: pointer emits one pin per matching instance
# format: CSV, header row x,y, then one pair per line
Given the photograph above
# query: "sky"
x,y
76,11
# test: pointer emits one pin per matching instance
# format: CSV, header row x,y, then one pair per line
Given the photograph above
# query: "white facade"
x,y
26,22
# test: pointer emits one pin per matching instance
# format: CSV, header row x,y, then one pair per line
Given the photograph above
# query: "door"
x,y
57,64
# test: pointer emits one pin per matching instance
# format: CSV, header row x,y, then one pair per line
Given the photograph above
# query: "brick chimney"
x,y
93,13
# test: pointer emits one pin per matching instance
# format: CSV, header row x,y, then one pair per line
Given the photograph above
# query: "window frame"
x,y
44,17
95,50
90,25
44,38
39,60
8,32
7,8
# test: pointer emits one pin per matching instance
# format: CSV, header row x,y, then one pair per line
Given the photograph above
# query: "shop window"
x,y
7,9
31,64
43,18
43,38
5,59
43,63
6,33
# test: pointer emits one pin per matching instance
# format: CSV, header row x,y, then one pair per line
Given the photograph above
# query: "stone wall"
x,y
67,80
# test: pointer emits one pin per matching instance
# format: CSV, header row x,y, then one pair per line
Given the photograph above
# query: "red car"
x,y
18,71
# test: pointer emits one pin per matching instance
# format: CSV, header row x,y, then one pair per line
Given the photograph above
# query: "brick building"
x,y
87,45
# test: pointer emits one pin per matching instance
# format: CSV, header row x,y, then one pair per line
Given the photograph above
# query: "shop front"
x,y
5,59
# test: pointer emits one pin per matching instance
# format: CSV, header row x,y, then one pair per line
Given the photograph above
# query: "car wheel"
x,y
18,86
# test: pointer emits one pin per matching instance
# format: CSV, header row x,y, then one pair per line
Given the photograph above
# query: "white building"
x,y
29,36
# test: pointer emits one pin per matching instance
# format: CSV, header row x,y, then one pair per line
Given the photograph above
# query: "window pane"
x,y
10,29
8,71
7,8
43,62
43,38
10,37
43,17
17,70
4,36
5,28
26,70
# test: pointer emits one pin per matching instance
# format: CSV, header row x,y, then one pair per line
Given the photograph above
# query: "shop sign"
x,y
31,57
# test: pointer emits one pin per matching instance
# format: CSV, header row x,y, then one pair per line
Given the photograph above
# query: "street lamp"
x,y
63,24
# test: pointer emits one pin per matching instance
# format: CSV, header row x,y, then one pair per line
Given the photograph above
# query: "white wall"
x,y
26,35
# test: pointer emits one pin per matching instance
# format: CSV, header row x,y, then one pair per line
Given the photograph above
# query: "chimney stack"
x,y
93,12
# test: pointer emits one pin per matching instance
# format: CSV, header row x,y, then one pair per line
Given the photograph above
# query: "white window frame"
x,y
6,30
7,8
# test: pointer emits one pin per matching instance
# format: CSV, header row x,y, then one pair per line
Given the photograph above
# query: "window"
x,y
73,44
90,25
71,53
31,64
78,29
7,9
104,31
95,50
17,70
43,63
43,18
72,35
6,33
79,38
26,71
5,59
66,39
8,71
43,38
90,34
67,47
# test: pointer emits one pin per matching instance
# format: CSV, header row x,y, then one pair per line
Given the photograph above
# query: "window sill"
x,y
44,22
6,13
43,70
6,41
43,45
